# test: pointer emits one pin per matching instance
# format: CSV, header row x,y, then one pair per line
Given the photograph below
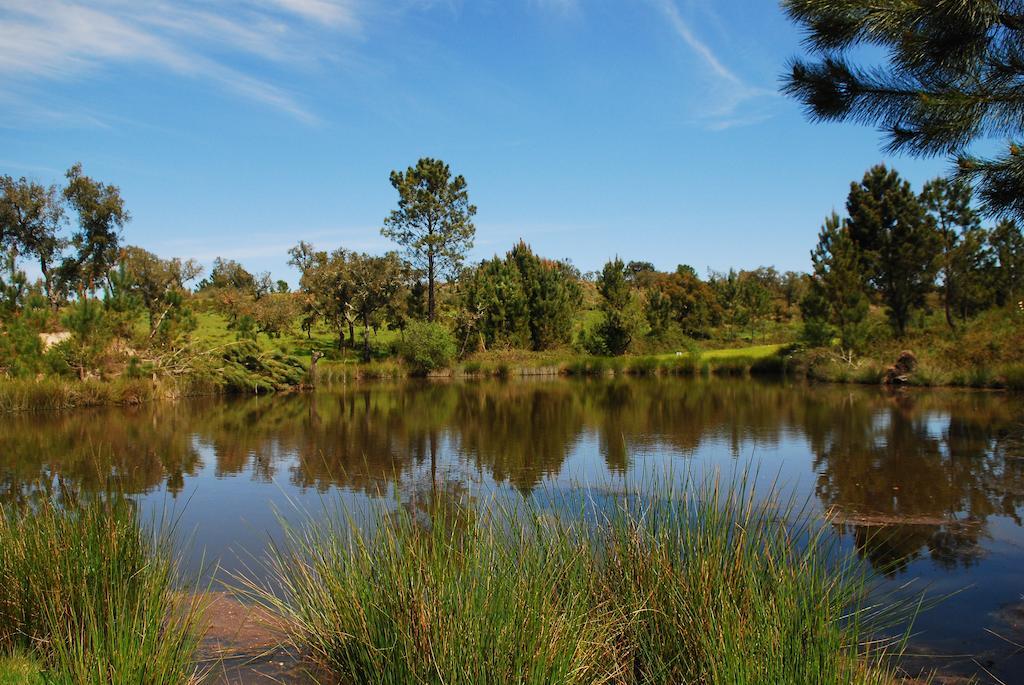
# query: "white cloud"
x,y
729,95
62,39
327,12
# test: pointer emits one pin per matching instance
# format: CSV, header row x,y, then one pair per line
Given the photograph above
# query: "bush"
x,y
427,347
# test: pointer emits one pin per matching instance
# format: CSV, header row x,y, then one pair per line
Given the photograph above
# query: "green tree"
x,y
90,331
952,77
521,301
31,219
897,242
794,286
755,300
156,281
640,274
618,305
101,216
963,259
498,312
376,283
227,273
13,287
836,295
695,305
433,222
327,288
728,289
658,310
1007,268
274,313
553,296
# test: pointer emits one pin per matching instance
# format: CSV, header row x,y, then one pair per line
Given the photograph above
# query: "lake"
x,y
927,486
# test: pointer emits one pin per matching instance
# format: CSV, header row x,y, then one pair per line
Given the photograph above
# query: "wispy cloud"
x,y
729,95
62,39
561,6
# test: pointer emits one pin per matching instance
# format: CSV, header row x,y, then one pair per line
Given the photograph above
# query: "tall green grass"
x,y
93,596
696,585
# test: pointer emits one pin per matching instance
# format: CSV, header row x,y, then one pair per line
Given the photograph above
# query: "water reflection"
x,y
931,468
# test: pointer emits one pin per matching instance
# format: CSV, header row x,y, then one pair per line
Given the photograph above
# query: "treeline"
x,y
895,248
103,309
106,308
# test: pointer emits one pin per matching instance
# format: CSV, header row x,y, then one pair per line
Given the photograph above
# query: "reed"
x,y
692,585
92,596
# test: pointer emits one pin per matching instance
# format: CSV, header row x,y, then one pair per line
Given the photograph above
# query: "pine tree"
x,y
521,301
619,307
433,222
896,240
836,295
953,76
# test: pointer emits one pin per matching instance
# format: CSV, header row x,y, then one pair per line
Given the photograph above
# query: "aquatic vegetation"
x,y
697,585
93,596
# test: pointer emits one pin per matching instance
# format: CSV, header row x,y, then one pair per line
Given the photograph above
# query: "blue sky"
x,y
649,129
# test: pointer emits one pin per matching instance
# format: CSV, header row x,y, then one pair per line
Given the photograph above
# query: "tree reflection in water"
x,y
927,469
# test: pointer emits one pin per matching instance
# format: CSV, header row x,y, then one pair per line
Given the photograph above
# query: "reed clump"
x,y
701,585
91,596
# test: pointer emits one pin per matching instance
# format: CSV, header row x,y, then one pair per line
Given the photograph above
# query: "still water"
x,y
927,485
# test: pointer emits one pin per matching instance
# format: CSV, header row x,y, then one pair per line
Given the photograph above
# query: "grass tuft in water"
x,y
91,596
697,585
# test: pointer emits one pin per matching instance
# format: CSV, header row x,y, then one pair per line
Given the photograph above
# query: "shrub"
x,y
427,347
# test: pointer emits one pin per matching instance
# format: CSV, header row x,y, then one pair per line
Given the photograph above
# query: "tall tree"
x,y
897,242
433,222
953,76
31,219
101,216
836,296
963,262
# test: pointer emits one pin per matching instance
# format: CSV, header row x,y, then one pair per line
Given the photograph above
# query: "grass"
x,y
92,596
20,670
52,394
754,352
701,585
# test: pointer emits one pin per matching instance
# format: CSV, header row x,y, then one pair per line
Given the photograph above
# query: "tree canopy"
x,y
953,76
433,222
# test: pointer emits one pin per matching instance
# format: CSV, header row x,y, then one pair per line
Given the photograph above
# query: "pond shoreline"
x,y
57,394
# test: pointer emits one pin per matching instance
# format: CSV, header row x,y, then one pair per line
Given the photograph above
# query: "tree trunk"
x,y
949,312
366,340
948,292
44,267
430,287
